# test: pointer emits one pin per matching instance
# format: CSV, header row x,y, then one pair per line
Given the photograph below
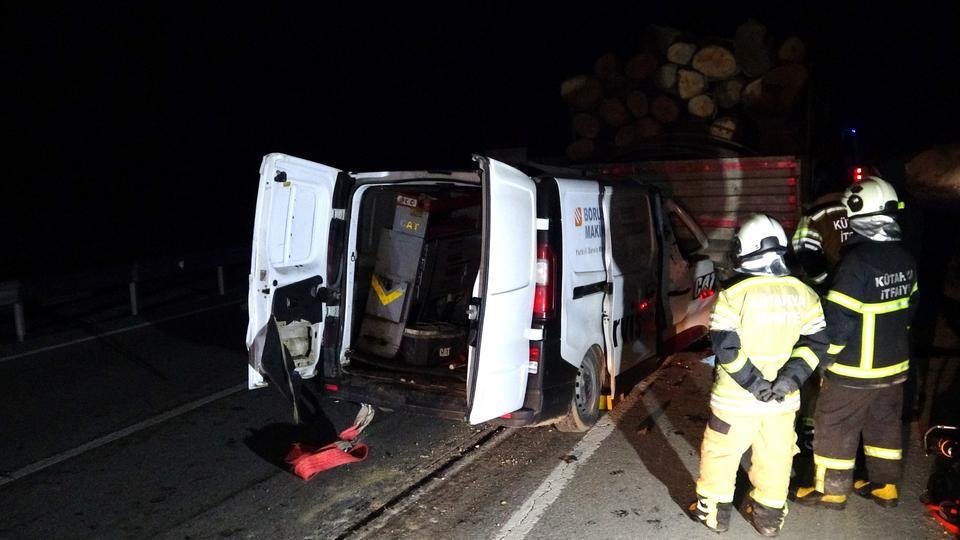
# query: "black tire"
x,y
585,404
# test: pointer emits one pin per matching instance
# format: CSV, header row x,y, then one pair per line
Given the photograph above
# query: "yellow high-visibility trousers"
x,y
728,435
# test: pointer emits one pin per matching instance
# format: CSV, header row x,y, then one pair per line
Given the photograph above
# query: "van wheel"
x,y
585,405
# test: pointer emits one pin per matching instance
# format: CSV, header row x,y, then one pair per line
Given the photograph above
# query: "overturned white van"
x,y
488,294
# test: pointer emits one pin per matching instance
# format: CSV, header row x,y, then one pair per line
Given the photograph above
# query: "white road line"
x,y
6,478
117,331
525,518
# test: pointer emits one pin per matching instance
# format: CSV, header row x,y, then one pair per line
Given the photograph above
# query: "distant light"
x,y
852,130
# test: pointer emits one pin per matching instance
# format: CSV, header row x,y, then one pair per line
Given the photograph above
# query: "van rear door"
x,y
499,360
289,269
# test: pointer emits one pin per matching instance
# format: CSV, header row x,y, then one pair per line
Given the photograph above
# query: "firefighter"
x,y
816,243
822,229
868,310
767,330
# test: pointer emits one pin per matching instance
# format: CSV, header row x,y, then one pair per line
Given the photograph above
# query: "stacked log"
x,y
680,83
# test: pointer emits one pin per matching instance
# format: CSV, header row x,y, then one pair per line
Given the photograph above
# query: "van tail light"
x,y
543,296
707,293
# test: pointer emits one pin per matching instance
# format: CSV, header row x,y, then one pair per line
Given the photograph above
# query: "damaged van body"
x,y
477,295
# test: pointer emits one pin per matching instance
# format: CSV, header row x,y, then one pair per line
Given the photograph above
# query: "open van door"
x,y
288,270
499,360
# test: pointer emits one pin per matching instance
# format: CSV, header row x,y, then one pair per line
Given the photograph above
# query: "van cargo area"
x,y
417,256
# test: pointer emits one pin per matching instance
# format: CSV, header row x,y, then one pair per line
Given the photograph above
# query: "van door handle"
x,y
473,309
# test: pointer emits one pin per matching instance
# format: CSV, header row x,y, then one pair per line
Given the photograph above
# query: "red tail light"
x,y
543,303
857,174
331,387
707,294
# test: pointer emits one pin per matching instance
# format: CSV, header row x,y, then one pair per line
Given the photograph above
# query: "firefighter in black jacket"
x,y
868,311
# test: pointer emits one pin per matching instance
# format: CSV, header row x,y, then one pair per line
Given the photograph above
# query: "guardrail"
x,y
15,293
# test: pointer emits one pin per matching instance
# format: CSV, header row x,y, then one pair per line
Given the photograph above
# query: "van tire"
x,y
585,404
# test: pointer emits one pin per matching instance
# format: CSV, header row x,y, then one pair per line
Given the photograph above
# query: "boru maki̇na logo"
x,y
590,216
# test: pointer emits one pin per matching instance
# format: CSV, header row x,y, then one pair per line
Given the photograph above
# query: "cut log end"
x,y
666,78
792,50
582,91
715,62
664,109
681,53
641,66
724,128
690,83
702,106
638,104
613,112
586,125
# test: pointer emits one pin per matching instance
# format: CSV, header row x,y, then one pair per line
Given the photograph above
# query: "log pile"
x,y
935,173
676,83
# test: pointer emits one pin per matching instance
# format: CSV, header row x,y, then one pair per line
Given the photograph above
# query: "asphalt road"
x,y
148,433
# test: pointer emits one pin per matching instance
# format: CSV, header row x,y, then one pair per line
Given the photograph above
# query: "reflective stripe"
x,y
813,245
860,307
915,289
771,503
835,464
816,312
807,233
714,496
821,475
883,453
813,326
887,307
808,356
839,298
875,373
867,335
737,363
750,405
835,349
819,279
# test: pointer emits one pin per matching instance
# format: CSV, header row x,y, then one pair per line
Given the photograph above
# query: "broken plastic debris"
x,y
709,360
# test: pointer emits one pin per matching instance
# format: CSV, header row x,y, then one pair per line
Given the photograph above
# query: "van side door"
x,y
634,258
498,362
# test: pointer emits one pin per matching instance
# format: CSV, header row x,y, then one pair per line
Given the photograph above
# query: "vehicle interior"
x,y
417,257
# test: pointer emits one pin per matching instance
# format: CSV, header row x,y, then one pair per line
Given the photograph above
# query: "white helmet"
x,y
872,196
758,235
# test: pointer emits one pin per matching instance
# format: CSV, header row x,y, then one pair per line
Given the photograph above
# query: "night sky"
x,y
138,131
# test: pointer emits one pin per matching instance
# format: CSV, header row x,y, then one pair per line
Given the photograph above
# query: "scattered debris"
x,y
620,513
569,458
616,472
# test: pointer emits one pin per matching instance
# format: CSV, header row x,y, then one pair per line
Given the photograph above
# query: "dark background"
x,y
136,131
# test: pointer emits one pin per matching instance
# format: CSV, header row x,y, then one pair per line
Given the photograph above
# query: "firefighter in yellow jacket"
x,y
767,331
868,309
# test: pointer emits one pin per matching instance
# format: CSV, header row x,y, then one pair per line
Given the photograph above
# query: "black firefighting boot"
x,y
767,521
714,516
883,494
809,496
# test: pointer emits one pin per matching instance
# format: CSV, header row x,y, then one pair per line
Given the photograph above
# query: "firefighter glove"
x,y
790,377
761,389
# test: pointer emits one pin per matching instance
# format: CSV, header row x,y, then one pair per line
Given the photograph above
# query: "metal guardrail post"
x,y
220,286
10,294
19,322
134,308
